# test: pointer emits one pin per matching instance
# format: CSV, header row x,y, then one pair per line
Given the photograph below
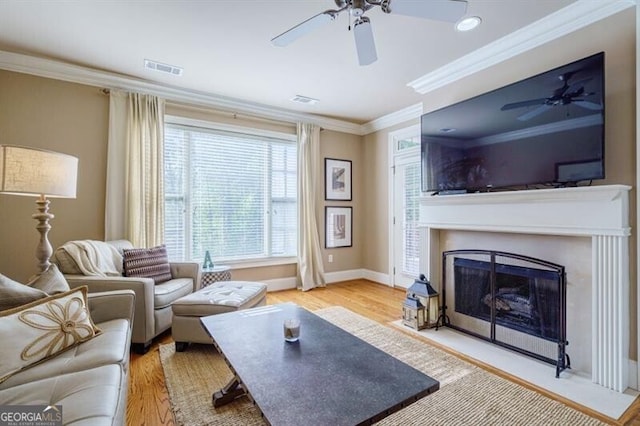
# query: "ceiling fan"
x,y
440,10
567,94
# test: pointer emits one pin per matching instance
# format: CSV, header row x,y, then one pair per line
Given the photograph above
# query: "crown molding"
x,y
566,20
409,113
83,75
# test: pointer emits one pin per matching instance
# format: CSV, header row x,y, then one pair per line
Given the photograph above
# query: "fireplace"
x,y
597,276
508,299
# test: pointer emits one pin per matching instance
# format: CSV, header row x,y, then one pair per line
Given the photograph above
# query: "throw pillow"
x,y
148,263
42,329
13,293
50,281
66,264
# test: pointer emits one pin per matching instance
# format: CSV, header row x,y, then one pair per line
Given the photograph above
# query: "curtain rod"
x,y
233,114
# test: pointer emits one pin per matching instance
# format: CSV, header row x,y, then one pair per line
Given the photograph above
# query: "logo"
x,y
30,415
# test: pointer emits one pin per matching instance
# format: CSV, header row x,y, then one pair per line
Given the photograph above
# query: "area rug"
x,y
468,394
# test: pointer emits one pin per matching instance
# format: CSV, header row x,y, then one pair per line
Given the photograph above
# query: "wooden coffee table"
x,y
328,377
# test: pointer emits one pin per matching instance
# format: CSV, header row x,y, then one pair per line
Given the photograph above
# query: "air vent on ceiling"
x,y
157,66
304,100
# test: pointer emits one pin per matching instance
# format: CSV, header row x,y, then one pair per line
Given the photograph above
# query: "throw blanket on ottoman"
x,y
91,257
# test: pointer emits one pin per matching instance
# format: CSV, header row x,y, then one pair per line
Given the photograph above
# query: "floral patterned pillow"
x,y
42,329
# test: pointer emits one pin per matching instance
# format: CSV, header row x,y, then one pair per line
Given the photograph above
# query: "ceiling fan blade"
x,y
439,10
303,28
365,45
530,102
534,112
587,104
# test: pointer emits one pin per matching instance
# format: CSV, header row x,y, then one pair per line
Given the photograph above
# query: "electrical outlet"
x,y
330,258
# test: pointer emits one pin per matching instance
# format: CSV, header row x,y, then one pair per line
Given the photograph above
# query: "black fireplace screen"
x,y
511,300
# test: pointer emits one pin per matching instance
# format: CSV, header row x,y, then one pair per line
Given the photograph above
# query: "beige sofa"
x,y
90,380
153,301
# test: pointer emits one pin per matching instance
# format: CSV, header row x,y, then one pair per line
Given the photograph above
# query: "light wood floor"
x,y
148,402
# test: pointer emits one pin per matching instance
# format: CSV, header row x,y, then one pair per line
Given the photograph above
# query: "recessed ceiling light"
x,y
467,24
304,100
447,130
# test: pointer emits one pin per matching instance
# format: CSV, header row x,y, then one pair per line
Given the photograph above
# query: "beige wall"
x,y
344,146
63,117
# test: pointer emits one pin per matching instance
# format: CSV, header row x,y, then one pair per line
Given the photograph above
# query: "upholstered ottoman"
x,y
218,298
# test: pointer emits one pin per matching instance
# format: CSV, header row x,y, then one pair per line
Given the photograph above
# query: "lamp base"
x,y
44,249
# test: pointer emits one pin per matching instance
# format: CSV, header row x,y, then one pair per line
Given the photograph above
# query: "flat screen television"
x,y
545,130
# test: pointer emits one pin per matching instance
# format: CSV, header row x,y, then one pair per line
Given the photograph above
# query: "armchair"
x,y
153,301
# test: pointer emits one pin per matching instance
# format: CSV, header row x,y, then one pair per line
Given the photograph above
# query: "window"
x,y
408,143
410,220
230,192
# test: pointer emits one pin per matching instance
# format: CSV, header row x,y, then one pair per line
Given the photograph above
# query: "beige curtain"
x,y
135,170
310,267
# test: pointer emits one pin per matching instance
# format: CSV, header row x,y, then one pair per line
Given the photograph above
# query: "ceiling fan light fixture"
x,y
357,8
468,24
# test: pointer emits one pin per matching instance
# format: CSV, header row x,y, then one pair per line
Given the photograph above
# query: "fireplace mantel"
x,y
598,212
579,211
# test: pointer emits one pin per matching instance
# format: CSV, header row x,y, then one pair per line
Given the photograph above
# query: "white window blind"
x,y
411,233
233,194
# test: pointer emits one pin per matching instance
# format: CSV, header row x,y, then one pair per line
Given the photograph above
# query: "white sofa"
x,y
90,380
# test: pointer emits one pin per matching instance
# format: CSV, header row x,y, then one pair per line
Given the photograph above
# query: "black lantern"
x,y
422,291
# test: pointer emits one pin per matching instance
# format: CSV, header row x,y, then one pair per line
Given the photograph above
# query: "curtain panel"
x,y
310,266
135,169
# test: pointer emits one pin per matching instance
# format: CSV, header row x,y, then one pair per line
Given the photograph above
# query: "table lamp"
x,y
40,173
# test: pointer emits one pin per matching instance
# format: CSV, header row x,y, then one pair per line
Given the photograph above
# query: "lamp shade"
x,y
33,171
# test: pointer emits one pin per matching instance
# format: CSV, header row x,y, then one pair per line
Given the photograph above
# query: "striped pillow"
x,y
148,263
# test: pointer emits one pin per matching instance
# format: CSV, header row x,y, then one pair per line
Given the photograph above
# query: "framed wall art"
x,y
337,179
338,224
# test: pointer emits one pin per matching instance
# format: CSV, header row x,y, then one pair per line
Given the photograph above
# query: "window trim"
x,y
215,125
262,262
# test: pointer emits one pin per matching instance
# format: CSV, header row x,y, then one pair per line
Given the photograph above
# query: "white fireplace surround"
x,y
599,212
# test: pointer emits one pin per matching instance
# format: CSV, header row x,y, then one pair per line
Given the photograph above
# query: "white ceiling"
x,y
224,47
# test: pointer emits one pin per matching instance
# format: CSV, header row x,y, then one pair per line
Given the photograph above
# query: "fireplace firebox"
x,y
511,300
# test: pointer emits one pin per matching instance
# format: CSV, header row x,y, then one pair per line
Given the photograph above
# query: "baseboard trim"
x,y
377,277
633,375
339,276
281,284
289,283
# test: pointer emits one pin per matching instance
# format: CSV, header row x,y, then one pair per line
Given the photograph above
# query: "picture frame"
x,y
337,179
338,225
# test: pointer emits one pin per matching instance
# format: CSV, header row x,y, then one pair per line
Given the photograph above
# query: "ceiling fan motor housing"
x,y
357,7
